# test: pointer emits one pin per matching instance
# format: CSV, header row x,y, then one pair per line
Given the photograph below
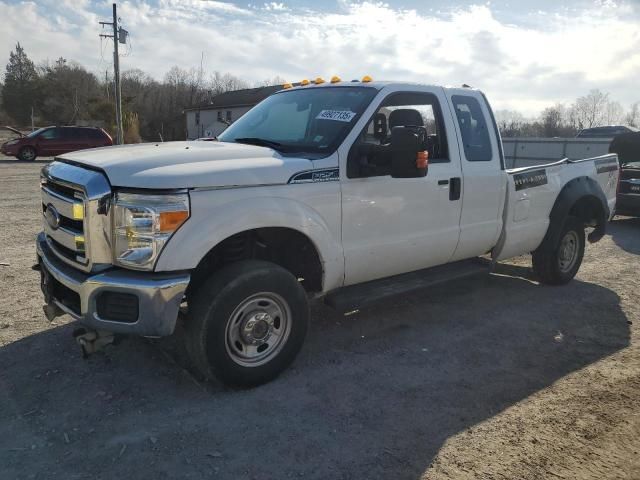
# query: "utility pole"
x,y
119,36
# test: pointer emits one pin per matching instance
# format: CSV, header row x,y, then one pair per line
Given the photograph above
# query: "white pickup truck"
x,y
344,190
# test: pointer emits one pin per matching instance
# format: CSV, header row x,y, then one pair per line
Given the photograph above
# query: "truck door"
x,y
484,180
397,225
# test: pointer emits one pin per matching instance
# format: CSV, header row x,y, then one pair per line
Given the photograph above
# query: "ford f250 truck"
x,y
343,190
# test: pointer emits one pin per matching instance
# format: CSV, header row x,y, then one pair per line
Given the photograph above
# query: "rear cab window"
x,y
473,128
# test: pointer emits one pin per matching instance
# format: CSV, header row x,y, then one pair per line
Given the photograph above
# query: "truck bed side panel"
x,y
532,193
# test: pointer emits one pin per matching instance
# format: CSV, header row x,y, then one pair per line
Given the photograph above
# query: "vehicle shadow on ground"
x,y
625,232
373,395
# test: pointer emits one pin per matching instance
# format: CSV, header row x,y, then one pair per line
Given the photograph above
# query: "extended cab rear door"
x,y
484,179
397,225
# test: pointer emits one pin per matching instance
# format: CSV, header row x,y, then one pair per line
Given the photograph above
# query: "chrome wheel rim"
x,y
258,329
568,252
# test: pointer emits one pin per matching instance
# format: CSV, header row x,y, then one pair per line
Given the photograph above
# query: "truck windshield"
x,y
311,120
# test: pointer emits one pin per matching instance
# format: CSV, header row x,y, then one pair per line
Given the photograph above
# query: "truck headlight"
x,y
143,224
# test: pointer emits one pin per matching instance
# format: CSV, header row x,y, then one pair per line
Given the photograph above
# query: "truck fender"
x,y
579,191
211,225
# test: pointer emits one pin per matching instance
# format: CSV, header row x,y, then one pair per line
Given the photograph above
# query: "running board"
x,y
354,297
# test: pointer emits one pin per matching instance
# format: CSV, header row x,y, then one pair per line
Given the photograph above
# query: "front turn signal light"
x,y
171,220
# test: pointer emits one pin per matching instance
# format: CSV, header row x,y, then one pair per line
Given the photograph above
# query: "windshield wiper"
x,y
260,142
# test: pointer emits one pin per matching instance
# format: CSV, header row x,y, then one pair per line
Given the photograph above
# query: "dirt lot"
x,y
493,377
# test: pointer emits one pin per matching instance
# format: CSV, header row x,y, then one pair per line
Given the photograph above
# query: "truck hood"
x,y
190,165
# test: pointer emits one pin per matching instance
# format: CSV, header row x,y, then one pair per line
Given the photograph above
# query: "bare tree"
x,y
509,122
614,113
552,120
632,117
267,82
590,110
224,82
65,91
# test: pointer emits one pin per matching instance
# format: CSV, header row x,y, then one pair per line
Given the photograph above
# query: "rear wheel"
x,y
27,154
246,323
559,265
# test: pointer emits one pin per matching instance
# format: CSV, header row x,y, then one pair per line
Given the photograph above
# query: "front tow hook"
x,y
91,341
51,311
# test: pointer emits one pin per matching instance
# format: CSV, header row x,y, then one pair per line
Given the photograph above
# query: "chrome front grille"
x,y
76,215
63,212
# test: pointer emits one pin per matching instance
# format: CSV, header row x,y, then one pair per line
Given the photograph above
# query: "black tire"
x,y
213,318
27,154
551,266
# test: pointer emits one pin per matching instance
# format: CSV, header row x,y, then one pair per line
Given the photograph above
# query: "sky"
x,y
525,55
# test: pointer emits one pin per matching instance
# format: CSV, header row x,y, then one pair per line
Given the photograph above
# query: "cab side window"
x,y
403,109
473,128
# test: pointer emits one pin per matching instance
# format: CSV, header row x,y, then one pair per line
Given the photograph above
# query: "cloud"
x,y
275,6
526,63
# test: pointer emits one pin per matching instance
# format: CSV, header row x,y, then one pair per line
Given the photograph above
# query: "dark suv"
x,y
52,141
609,131
627,146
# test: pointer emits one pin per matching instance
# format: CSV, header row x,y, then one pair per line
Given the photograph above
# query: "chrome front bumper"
x,y
159,295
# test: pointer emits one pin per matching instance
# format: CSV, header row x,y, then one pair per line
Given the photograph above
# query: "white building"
x,y
211,119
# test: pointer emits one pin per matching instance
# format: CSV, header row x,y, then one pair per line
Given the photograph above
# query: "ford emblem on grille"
x,y
52,216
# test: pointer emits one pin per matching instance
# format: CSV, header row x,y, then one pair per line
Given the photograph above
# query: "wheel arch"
x,y
284,231
29,145
583,198
291,249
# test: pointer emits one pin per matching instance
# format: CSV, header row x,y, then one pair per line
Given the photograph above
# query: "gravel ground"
x,y
493,377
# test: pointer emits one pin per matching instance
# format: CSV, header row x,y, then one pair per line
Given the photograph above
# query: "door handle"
x,y
443,182
456,188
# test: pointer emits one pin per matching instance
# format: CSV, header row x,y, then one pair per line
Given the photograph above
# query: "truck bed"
x,y
532,151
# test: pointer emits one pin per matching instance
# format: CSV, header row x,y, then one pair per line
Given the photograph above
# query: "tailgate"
x,y
607,173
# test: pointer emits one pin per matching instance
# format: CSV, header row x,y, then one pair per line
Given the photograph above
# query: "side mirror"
x,y
408,155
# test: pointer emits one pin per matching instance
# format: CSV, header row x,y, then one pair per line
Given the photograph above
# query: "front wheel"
x,y
560,265
246,323
27,154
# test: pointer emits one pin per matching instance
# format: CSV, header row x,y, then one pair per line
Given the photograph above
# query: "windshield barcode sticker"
x,y
338,115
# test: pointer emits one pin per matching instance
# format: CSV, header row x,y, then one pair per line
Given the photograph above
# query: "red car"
x,y
52,141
